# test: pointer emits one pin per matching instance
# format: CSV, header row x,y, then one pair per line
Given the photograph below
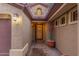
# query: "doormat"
x,y
37,52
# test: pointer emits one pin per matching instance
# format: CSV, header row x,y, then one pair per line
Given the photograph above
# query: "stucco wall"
x,y
46,32
66,39
21,33
66,36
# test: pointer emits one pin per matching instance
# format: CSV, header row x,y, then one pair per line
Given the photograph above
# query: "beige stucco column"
x,y
16,37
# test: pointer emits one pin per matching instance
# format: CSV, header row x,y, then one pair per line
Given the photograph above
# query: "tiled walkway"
x,y
40,49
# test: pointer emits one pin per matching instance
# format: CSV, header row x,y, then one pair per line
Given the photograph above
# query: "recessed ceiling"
x,y
39,11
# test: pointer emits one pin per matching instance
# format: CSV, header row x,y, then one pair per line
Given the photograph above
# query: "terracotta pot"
x,y
51,43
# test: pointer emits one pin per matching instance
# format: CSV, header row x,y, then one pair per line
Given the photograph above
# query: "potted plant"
x,y
51,41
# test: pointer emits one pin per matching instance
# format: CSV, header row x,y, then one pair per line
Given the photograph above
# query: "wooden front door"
x,y
39,32
5,37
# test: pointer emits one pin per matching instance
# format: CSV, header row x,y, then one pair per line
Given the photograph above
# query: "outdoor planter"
x,y
51,43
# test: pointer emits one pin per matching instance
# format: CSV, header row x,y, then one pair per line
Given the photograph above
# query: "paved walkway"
x,y
40,49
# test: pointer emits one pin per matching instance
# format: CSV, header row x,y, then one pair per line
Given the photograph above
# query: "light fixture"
x,y
17,19
15,16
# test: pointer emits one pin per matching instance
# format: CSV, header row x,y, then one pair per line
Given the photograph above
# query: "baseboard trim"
x,y
19,52
30,44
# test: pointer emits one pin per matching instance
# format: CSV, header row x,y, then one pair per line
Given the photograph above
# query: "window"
x,y
56,23
62,20
38,11
73,16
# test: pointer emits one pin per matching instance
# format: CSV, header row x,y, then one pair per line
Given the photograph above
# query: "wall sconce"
x,y
15,16
17,19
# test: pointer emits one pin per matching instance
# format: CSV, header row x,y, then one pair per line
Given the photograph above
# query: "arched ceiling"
x,y
38,11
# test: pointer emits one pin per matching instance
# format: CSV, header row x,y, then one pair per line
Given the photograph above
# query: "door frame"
x,y
36,31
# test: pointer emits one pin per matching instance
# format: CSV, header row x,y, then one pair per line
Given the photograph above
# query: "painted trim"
x,y
5,16
57,11
75,22
65,8
39,21
69,16
19,52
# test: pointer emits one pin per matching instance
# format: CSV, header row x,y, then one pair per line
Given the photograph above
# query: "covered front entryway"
x,y
39,45
5,34
54,32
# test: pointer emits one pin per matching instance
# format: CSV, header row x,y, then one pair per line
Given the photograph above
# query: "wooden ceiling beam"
x,y
54,8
